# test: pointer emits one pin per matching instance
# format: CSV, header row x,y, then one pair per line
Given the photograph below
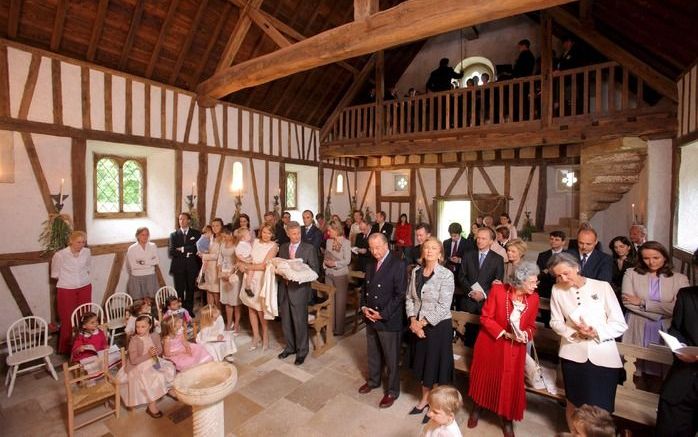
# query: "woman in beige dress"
x,y
516,249
649,294
336,264
210,264
263,250
230,280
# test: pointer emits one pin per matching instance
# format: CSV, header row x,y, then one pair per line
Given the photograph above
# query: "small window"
x,y
402,183
236,184
291,190
340,183
119,187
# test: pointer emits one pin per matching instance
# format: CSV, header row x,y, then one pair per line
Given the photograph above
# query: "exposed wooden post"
x,y
16,291
114,274
380,91
241,28
78,155
546,69
201,179
178,170
541,203
413,196
364,8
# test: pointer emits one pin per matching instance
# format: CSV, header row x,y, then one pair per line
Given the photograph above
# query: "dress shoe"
x,y
387,401
365,389
472,420
416,410
153,415
285,354
425,419
299,360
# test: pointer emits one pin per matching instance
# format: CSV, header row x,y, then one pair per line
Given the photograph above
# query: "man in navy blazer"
x,y
678,401
185,264
454,249
382,226
309,232
595,264
382,304
547,280
481,266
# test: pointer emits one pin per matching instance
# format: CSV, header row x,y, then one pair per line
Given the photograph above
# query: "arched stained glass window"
x,y
119,187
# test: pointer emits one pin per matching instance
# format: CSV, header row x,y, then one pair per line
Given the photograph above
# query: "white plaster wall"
x,y
18,68
388,182
137,108
160,186
497,42
560,204
118,101
364,178
519,177
687,237
97,99
616,220
190,169
42,109
155,108
307,190
659,170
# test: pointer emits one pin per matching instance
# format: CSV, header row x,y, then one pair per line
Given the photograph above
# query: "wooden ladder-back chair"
x,y
161,298
321,318
27,341
83,391
116,307
82,309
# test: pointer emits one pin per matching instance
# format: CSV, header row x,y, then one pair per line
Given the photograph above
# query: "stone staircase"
x,y
608,170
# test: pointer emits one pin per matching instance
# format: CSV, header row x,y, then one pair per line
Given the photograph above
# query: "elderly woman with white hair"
x,y
508,322
586,314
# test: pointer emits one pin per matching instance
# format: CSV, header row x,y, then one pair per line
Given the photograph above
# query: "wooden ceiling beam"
x,y
365,8
135,22
238,35
265,24
58,24
211,43
97,29
654,79
187,43
349,95
409,21
13,18
161,37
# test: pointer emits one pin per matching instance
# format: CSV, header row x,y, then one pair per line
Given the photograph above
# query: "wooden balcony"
x,y
596,101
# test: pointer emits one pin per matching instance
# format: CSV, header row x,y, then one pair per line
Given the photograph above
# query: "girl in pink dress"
x,y
178,349
89,339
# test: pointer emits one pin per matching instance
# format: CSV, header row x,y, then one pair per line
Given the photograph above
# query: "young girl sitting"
x,y
444,403
145,378
173,307
142,307
218,342
89,339
178,349
243,253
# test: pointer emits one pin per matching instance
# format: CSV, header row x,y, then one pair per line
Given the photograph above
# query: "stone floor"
x,y
272,398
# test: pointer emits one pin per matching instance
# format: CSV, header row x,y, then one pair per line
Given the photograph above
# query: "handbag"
x,y
537,373
201,278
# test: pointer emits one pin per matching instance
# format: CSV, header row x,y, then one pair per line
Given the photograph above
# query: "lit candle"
x,y
633,209
193,188
60,192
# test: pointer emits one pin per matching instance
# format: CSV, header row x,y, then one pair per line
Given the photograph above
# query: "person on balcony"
x,y
440,79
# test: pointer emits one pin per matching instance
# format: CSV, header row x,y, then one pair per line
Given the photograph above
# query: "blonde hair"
x,y
594,421
208,315
268,227
77,234
337,227
435,241
445,398
239,234
169,326
519,245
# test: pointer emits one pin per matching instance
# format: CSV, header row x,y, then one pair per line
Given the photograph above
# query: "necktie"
x,y
307,230
584,259
482,258
454,248
378,266
292,251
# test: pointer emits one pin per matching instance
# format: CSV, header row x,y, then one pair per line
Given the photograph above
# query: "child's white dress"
x,y
208,338
433,429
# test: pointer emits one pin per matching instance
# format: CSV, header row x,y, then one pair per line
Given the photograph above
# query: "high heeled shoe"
x,y
416,410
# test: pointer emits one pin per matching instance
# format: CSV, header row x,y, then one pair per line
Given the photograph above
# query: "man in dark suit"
x,y
482,267
678,401
310,233
382,304
362,253
280,230
594,263
185,264
547,280
421,233
454,248
382,226
294,297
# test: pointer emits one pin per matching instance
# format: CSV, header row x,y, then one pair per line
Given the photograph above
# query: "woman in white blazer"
x,y
587,316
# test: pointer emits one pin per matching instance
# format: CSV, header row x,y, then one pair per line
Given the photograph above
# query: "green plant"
x,y
55,232
528,229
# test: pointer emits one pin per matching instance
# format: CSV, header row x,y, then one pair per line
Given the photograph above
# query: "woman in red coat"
x,y
508,323
403,234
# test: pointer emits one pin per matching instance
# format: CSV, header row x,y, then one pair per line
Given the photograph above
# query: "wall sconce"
x,y
191,198
59,199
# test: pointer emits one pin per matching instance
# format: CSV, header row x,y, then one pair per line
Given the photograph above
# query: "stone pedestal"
x,y
204,387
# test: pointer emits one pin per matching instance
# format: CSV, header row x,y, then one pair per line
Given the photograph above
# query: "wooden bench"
x,y
322,320
631,403
356,278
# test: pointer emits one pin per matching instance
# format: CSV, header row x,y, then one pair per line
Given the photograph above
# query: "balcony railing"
x,y
594,90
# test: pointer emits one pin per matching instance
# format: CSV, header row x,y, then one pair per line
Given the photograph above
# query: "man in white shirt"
x,y
638,235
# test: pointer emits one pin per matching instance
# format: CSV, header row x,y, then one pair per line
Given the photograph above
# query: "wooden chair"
x,y
354,296
321,318
161,297
82,309
27,341
116,307
82,395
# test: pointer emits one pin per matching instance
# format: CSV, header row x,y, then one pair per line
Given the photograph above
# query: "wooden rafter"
x,y
455,179
488,181
409,21
656,80
522,203
349,95
211,43
16,291
364,8
58,23
427,204
135,22
238,36
187,42
13,18
97,29
272,32
161,37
